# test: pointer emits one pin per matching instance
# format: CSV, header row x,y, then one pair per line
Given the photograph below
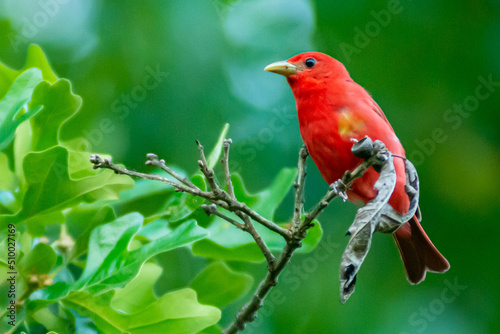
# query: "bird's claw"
x,y
379,156
376,151
339,188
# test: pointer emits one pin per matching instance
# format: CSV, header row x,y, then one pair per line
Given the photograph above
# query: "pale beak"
x,y
282,67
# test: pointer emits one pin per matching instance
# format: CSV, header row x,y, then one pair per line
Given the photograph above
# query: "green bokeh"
x,y
164,73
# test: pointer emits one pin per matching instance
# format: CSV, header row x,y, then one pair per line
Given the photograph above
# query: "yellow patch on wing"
x,y
349,125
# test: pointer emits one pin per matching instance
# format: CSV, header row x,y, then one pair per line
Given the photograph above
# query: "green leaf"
x,y
21,148
50,320
7,77
12,108
137,294
109,262
269,199
215,329
228,243
155,229
146,197
176,208
11,104
175,312
59,104
50,189
9,203
35,59
40,260
155,200
218,285
213,158
8,181
81,220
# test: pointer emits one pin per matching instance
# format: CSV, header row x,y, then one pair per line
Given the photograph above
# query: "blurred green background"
x,y
156,75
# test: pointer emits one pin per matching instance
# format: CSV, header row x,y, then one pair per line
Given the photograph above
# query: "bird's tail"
x,y
417,251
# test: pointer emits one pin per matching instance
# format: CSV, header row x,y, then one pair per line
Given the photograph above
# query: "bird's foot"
x,y
339,188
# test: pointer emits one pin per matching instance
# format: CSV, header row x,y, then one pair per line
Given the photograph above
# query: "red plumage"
x,y
332,109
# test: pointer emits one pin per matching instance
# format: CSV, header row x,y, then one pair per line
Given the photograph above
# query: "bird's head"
x,y
309,67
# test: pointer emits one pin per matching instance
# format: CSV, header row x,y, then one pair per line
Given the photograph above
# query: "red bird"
x,y
332,109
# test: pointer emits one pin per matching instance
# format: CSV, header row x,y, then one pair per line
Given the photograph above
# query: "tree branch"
x,y
338,188
248,312
153,160
107,164
212,210
258,240
227,173
209,174
299,189
366,149
247,227
218,197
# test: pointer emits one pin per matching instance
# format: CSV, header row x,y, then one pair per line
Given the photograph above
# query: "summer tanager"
x,y
332,109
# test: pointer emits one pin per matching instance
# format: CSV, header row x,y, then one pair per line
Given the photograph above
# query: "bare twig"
x,y
107,164
248,227
229,198
219,198
258,240
247,313
153,160
339,188
238,206
212,210
227,173
299,189
209,174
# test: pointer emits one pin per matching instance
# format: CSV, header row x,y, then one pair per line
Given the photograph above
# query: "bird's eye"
x,y
310,62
